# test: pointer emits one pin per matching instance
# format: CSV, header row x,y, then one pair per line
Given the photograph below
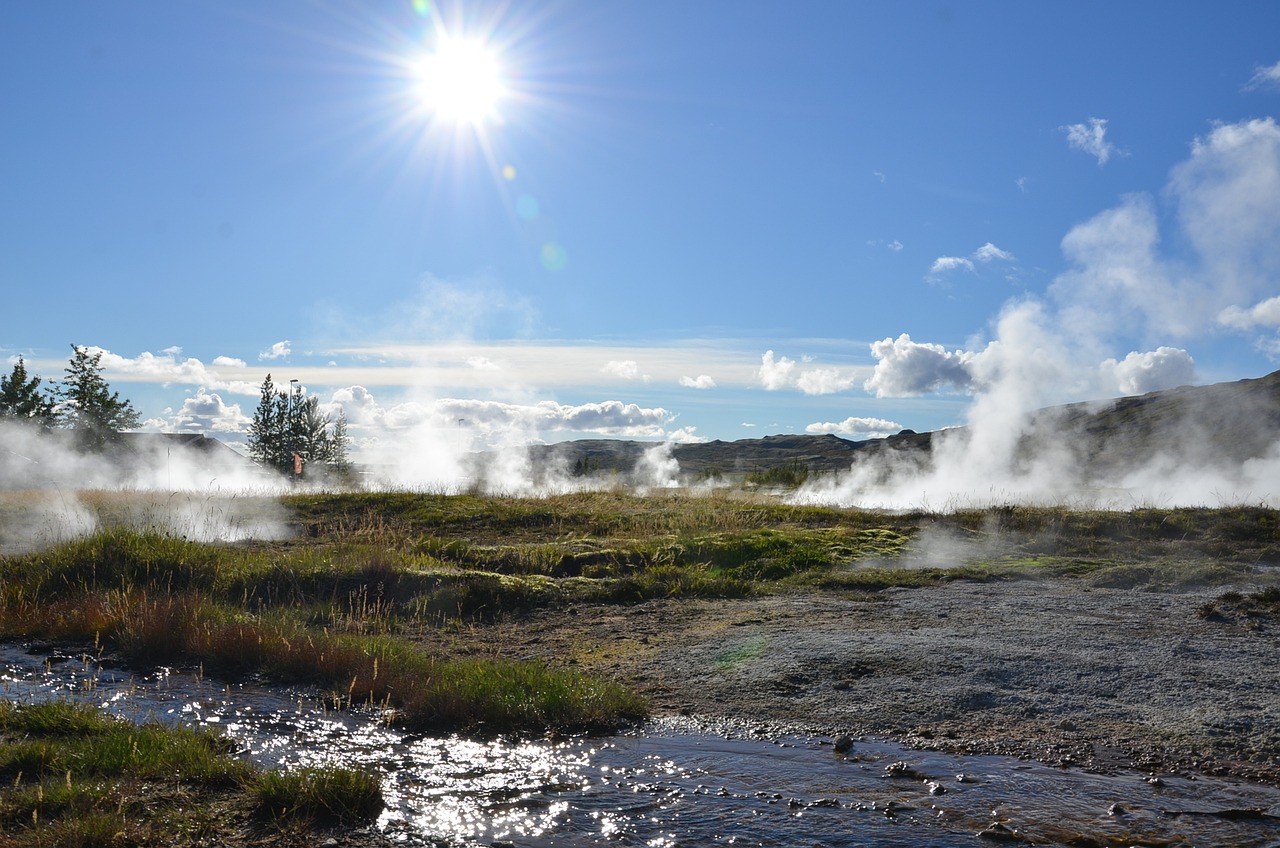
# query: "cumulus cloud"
x,y
625,369
207,412
782,372
166,368
1264,77
702,381
1139,373
228,362
279,350
775,374
1263,314
1091,138
483,363
853,426
905,368
685,436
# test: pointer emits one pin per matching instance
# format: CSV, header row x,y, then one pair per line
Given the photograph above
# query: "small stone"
x,y
843,744
997,832
1116,810
936,788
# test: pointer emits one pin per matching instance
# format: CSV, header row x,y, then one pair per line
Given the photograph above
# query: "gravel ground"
x,y
1053,670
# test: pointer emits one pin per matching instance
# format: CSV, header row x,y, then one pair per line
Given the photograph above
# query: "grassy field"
x,y
356,594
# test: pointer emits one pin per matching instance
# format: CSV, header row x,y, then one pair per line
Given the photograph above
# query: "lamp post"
x,y
292,429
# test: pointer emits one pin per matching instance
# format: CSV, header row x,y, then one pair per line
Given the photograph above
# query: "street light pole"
x,y
292,429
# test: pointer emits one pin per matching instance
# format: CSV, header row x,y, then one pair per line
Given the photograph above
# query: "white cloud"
x,y
228,362
895,245
824,381
279,350
483,363
775,374
853,426
358,406
685,436
943,264
1162,368
612,417
782,372
207,412
905,368
989,253
172,351
1264,77
625,369
1091,138
985,254
702,381
1264,314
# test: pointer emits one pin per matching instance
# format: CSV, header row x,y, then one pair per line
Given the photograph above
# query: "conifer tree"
x,y
89,407
289,424
22,400
269,427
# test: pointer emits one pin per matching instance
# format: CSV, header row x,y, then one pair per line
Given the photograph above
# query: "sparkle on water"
x,y
671,783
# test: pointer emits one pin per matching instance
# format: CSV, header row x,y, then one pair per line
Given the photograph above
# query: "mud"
x,y
1056,671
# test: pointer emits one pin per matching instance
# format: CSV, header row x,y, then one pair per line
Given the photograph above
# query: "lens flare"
x,y
554,257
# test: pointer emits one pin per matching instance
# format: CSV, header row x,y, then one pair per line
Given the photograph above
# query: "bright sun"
x,y
461,81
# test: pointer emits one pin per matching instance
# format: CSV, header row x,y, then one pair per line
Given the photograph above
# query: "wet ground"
x,y
1059,671
678,782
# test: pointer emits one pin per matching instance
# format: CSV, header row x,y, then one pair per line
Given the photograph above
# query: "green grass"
x,y
329,796
72,776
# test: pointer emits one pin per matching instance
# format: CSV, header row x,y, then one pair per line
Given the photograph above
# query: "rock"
x,y
843,744
997,832
903,769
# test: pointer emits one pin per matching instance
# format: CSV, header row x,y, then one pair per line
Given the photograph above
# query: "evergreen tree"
x,y
89,407
309,431
21,398
338,461
268,430
286,424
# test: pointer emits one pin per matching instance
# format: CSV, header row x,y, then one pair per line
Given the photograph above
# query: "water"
x,y
672,783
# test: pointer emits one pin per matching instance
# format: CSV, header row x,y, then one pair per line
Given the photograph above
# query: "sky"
x,y
540,221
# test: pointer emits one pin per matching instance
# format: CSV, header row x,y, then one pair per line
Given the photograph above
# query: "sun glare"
x,y
461,82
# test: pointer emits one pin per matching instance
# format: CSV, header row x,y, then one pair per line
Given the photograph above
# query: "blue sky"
x,y
690,220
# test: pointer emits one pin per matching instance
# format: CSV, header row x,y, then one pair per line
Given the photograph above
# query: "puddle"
x,y
671,783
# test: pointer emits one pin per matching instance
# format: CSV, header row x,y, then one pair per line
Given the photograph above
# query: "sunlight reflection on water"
x,y
674,783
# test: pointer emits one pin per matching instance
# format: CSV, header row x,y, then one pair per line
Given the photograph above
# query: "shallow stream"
x,y
674,783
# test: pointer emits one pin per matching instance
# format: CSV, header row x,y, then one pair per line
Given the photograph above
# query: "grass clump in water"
x,y
323,795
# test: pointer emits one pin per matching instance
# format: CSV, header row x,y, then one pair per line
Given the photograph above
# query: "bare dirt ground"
x,y
1053,670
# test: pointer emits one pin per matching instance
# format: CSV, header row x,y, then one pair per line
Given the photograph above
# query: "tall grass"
x,y
72,776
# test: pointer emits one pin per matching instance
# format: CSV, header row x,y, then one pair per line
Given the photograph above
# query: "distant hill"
x,y
1231,422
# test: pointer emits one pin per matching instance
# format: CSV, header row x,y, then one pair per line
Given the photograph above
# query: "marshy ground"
x,y
1143,639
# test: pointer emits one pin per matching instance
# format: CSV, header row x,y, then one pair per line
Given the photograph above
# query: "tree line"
x,y
82,403
289,432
